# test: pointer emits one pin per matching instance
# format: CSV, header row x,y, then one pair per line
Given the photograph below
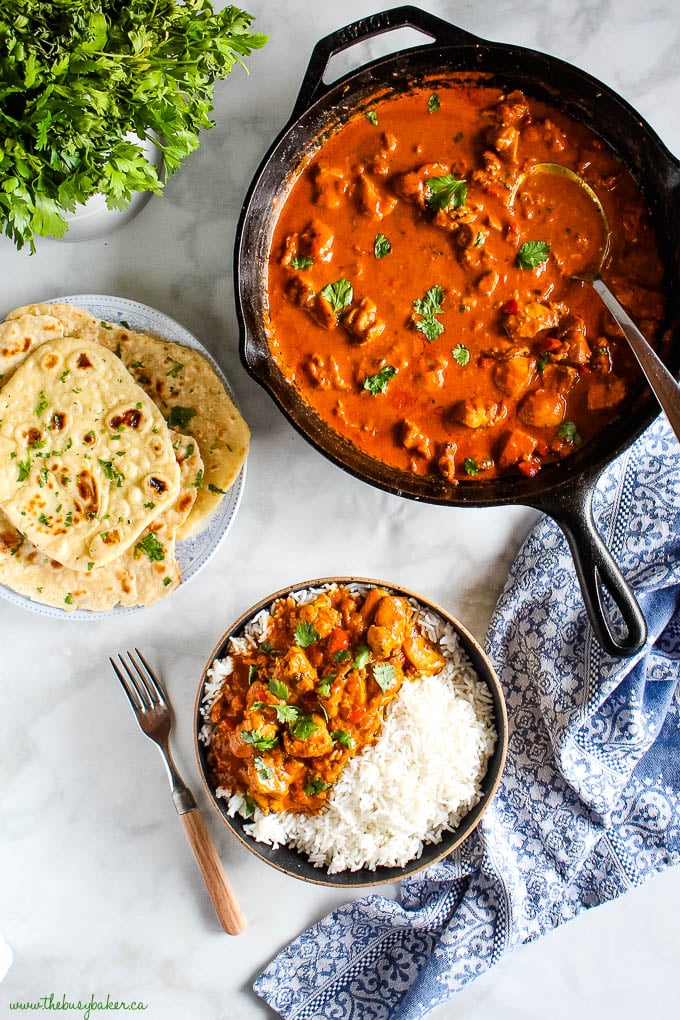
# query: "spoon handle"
x,y
664,386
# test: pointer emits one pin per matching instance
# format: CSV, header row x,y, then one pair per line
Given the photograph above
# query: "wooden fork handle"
x,y
227,907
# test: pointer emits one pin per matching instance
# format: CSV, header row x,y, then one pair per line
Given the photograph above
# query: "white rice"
x,y
411,787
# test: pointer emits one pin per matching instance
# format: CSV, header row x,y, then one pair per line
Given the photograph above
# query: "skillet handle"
x,y
598,572
313,85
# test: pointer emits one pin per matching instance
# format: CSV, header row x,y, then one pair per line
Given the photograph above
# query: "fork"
x,y
153,712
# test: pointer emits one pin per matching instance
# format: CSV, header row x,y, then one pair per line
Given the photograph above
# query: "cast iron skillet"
x,y
563,490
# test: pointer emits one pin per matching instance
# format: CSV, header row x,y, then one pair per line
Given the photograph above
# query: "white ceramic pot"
x,y
93,219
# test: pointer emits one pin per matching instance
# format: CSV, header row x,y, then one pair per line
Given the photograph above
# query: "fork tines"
x,y
142,687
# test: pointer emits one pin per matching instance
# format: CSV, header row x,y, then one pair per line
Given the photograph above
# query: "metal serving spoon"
x,y
665,388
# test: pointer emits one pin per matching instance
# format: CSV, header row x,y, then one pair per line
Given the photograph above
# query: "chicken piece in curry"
x,y
312,694
421,287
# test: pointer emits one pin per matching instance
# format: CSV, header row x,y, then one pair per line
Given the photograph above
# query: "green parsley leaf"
x,y
445,192
301,262
461,354
151,547
339,294
42,405
433,103
78,78
384,675
257,740
532,254
372,117
567,430
381,246
471,466
377,383
306,634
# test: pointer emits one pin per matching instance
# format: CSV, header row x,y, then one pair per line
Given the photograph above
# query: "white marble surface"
x,y
98,891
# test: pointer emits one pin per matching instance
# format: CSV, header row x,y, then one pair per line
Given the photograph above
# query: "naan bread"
x,y
145,573
21,335
185,387
86,460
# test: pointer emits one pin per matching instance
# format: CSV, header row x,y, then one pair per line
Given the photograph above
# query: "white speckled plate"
x,y
192,553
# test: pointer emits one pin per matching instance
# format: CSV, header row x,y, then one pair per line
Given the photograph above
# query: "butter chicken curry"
x,y
312,694
420,287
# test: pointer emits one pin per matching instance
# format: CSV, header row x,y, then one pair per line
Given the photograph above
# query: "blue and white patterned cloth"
x,y
589,805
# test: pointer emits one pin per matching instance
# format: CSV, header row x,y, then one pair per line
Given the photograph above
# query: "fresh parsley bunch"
x,y
79,77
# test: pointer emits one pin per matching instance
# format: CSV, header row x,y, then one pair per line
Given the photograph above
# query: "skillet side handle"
x,y
597,572
313,85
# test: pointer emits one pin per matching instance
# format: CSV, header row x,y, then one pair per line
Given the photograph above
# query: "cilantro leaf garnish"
x,y
249,806
532,254
151,547
433,103
342,737
278,689
372,117
323,689
342,655
381,246
431,303
177,367
23,469
303,727
385,675
257,740
42,405
567,430
339,294
301,262
315,785
262,769
428,307
471,466
111,473
461,354
180,417
306,634
377,383
362,657
445,192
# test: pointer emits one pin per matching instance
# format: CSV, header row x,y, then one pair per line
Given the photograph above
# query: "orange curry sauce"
x,y
419,283
312,694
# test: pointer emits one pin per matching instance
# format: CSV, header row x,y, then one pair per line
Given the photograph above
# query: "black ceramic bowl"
x,y
562,490
296,864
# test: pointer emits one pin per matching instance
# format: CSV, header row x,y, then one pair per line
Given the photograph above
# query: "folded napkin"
x,y
589,804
